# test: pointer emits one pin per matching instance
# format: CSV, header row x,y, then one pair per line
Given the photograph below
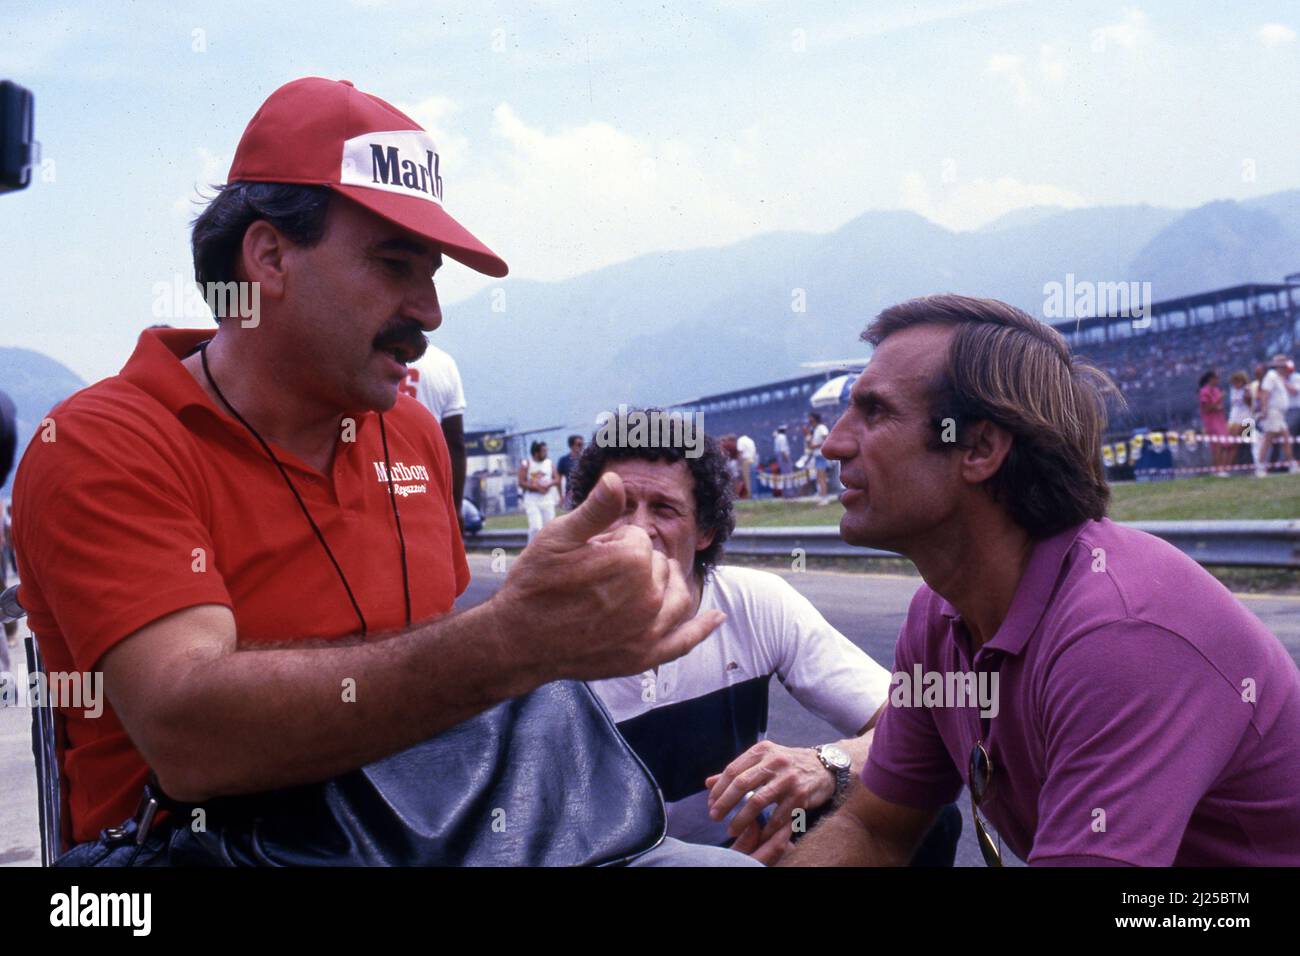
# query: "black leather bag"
x,y
541,780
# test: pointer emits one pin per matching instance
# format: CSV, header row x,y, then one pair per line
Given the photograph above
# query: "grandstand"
x,y
1155,364
759,411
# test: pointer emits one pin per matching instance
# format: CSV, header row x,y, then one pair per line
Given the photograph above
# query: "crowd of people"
x,y
1256,422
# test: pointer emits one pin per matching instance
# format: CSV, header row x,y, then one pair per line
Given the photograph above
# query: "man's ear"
x,y
704,540
262,258
987,447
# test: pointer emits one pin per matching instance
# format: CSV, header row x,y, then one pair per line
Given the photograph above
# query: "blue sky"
x,y
575,135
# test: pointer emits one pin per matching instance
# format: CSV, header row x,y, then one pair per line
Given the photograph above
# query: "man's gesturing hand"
x,y
789,777
583,602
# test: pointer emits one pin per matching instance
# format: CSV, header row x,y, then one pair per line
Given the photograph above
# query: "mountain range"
x,y
668,327
672,326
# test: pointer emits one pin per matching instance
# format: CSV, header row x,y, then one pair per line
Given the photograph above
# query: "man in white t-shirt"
x,y
1274,399
700,722
1293,408
816,433
435,381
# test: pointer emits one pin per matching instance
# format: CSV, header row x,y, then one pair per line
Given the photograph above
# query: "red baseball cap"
x,y
328,133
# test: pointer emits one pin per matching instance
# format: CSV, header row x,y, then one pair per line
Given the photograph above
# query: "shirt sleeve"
x,y
110,535
454,399
822,669
908,762
1130,753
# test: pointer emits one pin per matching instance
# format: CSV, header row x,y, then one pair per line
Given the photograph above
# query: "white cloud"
x,y
1128,32
558,202
432,113
969,204
1013,68
1275,34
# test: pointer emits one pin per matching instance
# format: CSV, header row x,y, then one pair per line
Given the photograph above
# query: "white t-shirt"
x,y
818,438
1275,388
541,471
781,444
1239,401
701,711
746,448
437,385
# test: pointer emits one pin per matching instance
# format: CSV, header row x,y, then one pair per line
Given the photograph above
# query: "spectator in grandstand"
x,y
815,433
700,722
748,452
434,381
567,462
1239,415
540,484
1214,423
1274,400
1132,724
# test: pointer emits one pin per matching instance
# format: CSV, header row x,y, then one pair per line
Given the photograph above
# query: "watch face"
x,y
836,757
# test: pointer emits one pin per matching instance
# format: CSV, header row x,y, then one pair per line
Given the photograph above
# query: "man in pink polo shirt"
x,y
1106,700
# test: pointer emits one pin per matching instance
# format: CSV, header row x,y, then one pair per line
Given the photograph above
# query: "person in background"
x,y
434,381
567,462
731,455
1274,399
781,445
1293,406
815,433
1257,444
540,484
748,452
1213,421
1239,415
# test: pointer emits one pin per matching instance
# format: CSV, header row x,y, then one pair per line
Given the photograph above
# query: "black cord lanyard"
x,y
388,471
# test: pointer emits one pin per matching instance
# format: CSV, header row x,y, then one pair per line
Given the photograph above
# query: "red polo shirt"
x,y
150,500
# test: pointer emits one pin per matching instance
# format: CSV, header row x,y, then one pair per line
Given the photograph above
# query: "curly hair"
x,y
712,486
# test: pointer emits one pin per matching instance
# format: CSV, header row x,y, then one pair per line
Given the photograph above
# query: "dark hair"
x,y
536,447
1006,367
1206,378
815,417
573,438
218,232
712,486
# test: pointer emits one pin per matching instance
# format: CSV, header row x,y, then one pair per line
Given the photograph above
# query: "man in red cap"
x,y
265,487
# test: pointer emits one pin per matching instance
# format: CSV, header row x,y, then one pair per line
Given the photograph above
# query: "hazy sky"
x,y
574,135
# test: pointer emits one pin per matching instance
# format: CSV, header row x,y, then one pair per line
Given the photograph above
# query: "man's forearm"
x,y
255,720
842,840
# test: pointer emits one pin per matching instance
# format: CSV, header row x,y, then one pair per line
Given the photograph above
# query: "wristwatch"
x,y
838,763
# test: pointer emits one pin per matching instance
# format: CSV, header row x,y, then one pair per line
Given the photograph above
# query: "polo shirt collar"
x,y
155,367
1032,593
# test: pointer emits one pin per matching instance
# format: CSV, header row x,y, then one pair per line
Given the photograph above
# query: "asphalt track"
x,y
867,608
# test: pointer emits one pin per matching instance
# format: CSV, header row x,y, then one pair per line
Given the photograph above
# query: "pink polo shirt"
x,y
1143,715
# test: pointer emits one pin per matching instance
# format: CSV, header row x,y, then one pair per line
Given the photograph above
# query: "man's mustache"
x,y
404,335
